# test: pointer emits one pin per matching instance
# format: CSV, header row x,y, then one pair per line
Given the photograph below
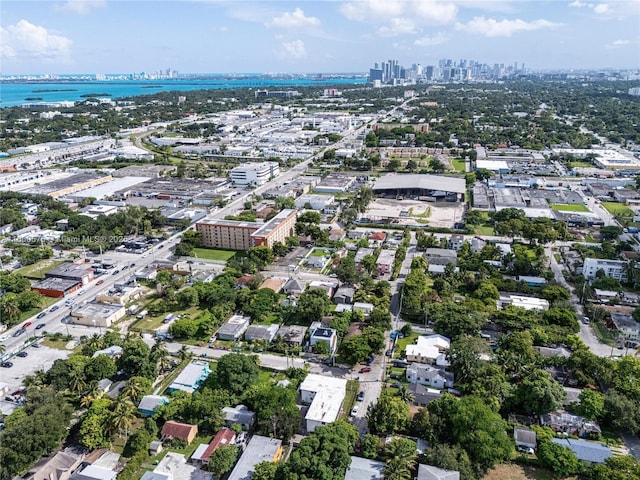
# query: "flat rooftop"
x,y
421,182
55,283
272,224
259,449
96,310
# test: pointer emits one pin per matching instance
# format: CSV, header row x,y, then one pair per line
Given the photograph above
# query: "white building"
x,y
429,376
324,395
254,173
528,303
316,201
612,268
429,349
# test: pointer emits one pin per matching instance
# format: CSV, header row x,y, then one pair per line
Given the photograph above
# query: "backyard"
x,y
618,209
213,254
459,165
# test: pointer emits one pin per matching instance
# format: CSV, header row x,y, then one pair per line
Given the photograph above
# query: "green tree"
x,y
223,459
236,372
370,446
539,393
312,305
262,256
102,366
388,415
465,356
265,471
450,458
559,459
591,404
277,414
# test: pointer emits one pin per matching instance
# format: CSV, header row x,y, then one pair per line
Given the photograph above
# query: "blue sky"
x,y
122,36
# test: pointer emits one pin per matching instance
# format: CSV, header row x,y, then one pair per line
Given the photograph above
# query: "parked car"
x,y
115,272
360,396
22,354
41,314
54,308
395,376
99,282
354,410
6,364
40,325
365,370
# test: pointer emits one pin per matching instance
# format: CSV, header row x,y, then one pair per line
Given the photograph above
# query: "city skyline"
x,y
119,36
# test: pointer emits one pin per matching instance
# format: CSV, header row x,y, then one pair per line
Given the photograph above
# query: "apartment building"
x,y
254,173
612,268
235,235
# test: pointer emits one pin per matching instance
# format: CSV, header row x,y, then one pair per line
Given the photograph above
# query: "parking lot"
x,y
416,212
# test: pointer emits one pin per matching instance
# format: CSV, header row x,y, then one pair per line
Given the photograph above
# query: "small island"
x,y
91,95
33,99
51,90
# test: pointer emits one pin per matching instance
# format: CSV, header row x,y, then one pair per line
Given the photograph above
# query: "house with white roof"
x,y
429,349
191,377
324,395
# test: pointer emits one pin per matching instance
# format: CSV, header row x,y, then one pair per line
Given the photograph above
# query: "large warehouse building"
x,y
424,187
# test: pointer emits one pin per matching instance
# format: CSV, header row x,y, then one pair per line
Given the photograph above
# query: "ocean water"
x,y
17,93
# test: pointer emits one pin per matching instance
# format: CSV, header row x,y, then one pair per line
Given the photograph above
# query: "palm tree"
x,y
133,389
184,353
77,381
121,417
36,380
159,354
405,394
397,469
3,349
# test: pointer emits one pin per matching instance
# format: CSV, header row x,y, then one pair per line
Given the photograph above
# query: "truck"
x,y
142,314
168,318
133,309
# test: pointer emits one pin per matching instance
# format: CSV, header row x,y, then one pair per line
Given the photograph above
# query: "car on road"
x,y
82,292
22,354
54,308
389,352
27,324
354,410
115,272
41,314
161,246
6,364
3,338
360,396
365,370
35,345
40,325
17,333
125,267
133,264
99,282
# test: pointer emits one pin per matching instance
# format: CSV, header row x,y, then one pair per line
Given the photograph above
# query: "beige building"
x,y
234,235
121,296
97,314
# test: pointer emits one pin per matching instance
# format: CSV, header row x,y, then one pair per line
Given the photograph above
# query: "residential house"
x,y
429,376
201,456
524,438
58,467
94,472
328,287
325,396
261,332
191,377
180,431
567,423
364,307
318,333
532,281
423,395
627,327
150,403
377,238
344,295
612,268
590,452
455,241
155,448
175,467
293,287
522,301
292,334
234,328
273,283
316,262
364,469
429,472
260,449
113,351
239,415
477,244
360,254
429,349
385,261
441,256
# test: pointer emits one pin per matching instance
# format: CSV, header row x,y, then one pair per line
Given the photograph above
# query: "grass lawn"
x,y
572,207
353,387
578,164
483,230
320,252
603,333
616,208
151,323
401,343
38,269
213,254
512,471
459,165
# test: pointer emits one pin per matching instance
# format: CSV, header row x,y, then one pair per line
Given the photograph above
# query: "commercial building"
x,y
612,268
260,449
324,395
528,303
56,287
254,173
78,272
314,201
97,314
427,187
235,235
191,377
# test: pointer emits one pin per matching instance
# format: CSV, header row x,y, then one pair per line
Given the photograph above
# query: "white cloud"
x,y
82,6
27,40
490,27
601,8
220,29
397,26
380,11
578,4
618,43
294,49
430,41
295,19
